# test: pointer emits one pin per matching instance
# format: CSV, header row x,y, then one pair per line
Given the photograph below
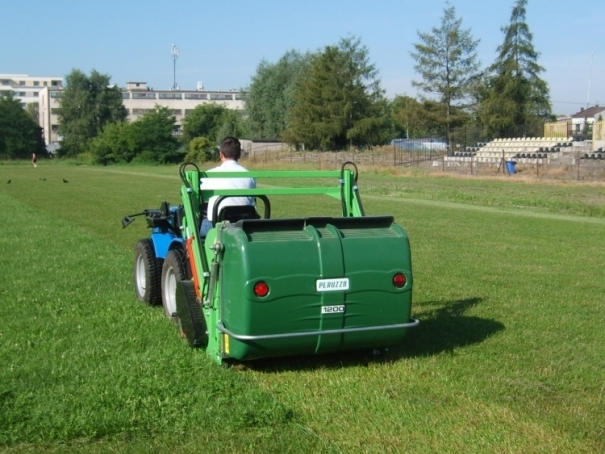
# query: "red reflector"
x,y
261,289
399,280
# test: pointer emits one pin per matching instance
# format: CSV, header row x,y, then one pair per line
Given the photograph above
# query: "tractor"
x,y
258,287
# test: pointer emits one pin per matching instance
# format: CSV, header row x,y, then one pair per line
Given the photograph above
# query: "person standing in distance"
x,y
230,151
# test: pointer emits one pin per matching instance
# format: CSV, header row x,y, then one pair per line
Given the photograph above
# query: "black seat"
x,y
237,213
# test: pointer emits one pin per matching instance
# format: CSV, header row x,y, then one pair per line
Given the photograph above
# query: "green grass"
x,y
509,356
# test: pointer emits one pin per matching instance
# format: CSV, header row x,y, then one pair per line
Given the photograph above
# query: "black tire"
x,y
147,273
173,270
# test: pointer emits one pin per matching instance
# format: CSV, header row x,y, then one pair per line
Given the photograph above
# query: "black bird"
x,y
65,181
8,181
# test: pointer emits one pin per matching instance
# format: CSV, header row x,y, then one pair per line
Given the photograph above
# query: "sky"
x,y
221,43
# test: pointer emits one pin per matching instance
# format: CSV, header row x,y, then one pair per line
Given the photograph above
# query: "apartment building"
x,y
27,88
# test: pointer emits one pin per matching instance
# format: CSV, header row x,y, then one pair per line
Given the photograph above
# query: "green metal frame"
x,y
207,255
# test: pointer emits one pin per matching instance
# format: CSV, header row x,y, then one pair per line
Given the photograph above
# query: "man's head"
x,y
231,148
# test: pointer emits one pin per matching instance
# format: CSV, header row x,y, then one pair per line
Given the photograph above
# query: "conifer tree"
x,y
514,93
447,63
339,102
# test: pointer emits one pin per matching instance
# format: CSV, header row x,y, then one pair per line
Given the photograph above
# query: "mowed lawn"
x,y
509,357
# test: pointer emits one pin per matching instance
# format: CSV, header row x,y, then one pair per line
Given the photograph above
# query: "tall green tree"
x,y
115,144
339,102
153,137
233,124
270,95
514,93
33,109
20,135
204,120
446,60
87,105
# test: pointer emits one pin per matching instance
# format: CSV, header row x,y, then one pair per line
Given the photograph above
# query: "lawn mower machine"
x,y
259,287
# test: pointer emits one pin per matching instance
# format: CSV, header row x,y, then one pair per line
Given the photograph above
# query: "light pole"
x,y
175,54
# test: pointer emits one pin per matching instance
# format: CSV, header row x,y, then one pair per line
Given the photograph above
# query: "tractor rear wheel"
x,y
147,272
173,270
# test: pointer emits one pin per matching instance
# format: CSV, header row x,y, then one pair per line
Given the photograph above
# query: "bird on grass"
x,y
42,179
8,182
65,181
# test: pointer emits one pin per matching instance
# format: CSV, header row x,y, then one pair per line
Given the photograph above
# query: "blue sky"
x,y
221,43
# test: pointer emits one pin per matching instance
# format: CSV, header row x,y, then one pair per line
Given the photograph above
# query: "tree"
x,y
153,137
339,102
232,125
200,150
87,105
270,95
204,120
514,93
410,116
115,144
20,135
33,109
447,62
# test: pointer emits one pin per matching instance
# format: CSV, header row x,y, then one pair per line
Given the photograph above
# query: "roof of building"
x,y
591,112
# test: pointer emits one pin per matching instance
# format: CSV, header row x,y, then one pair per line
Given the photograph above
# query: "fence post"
x,y
578,161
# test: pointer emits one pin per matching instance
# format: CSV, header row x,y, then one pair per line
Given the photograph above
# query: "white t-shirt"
x,y
228,183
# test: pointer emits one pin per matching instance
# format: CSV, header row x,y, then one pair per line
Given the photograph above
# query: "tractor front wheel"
x,y
174,270
147,273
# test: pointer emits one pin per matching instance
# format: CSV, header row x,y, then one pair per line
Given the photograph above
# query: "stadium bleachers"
x,y
517,148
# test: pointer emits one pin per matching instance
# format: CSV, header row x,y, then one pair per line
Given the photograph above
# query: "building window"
x,y
196,96
55,110
220,97
55,83
176,111
141,111
56,94
5,82
54,128
36,83
21,93
22,83
238,97
170,96
125,95
145,95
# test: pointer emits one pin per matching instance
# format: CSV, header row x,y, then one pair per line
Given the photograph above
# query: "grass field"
x,y
509,357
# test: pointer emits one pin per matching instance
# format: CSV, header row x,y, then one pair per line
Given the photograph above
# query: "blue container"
x,y
511,167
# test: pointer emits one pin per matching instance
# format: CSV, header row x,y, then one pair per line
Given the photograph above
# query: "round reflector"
x,y
399,280
261,289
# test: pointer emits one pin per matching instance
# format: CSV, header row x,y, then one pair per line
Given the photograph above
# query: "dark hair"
x,y
231,148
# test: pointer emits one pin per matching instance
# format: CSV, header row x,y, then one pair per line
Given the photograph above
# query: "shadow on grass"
x,y
441,330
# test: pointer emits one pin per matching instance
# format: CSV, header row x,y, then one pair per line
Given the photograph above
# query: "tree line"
x,y
331,99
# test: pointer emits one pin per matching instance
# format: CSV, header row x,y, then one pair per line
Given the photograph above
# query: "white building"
x,y
27,88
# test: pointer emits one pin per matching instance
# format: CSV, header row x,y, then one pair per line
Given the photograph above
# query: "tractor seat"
x,y
237,213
